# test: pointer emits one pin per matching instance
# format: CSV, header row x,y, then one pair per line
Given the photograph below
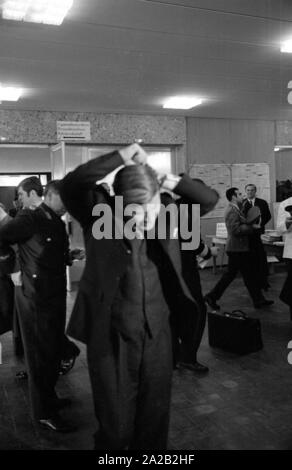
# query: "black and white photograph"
x,y
145,229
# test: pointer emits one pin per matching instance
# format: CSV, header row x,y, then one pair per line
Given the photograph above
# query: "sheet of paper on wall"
x,y
216,176
223,176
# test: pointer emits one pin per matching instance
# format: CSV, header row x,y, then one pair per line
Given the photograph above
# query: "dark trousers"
x,y
131,387
69,349
17,339
259,257
238,262
190,321
42,327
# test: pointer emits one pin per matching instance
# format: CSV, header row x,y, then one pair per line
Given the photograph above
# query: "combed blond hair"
x,y
136,183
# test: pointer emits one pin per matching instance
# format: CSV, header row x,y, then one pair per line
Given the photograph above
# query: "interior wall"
x,y
230,141
41,127
24,160
110,129
283,164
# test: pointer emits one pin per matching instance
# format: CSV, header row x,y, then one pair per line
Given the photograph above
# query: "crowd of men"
x,y
139,307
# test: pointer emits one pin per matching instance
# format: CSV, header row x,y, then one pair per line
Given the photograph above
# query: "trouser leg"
x,y
114,376
131,391
259,261
200,314
17,339
153,403
247,270
42,329
227,278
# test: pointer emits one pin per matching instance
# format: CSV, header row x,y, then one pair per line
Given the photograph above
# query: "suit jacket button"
x,y
129,252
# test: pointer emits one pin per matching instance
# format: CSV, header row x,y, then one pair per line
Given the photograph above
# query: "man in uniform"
x,y
41,299
30,192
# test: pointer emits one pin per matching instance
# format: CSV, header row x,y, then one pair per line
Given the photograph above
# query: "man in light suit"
x,y
239,255
284,225
256,246
127,291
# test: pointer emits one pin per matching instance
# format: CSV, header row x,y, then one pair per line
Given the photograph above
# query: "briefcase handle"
x,y
236,314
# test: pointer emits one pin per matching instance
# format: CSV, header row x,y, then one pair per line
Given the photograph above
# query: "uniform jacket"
x,y
106,259
42,251
237,229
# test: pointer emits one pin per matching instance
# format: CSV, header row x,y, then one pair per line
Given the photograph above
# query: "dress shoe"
x,y
21,375
263,303
194,366
56,424
211,302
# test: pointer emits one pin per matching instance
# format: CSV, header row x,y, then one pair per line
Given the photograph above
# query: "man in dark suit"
x,y
188,329
256,246
239,255
41,299
30,193
128,288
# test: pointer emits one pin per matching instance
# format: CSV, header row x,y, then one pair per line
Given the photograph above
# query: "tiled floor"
x,y
243,403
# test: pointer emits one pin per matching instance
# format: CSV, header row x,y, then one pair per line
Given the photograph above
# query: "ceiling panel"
x,y
127,56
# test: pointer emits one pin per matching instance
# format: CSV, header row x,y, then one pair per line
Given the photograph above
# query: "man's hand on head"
x,y
169,181
133,154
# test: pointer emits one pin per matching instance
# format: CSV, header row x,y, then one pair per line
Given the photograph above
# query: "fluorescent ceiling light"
x,y
287,46
36,11
9,93
182,102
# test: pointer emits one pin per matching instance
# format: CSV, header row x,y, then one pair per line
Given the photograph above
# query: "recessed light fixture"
x,y
182,102
36,11
10,93
277,149
287,46
3,139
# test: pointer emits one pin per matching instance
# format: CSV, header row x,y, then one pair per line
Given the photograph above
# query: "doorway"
x,y
10,182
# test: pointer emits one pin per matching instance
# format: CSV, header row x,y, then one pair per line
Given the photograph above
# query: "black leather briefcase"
x,y
234,332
